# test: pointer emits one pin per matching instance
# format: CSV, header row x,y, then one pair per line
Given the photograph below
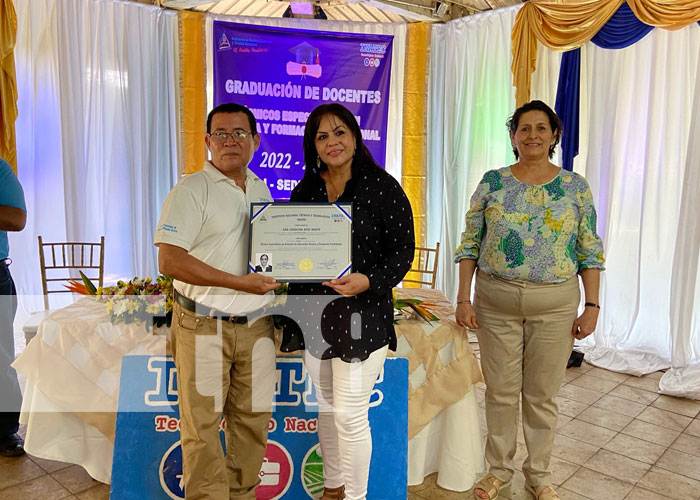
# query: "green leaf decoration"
x,y
423,314
88,284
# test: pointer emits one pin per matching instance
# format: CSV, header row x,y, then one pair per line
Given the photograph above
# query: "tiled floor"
x,y
31,478
617,439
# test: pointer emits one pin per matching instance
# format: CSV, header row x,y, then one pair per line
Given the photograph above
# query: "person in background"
x,y
13,217
225,361
530,232
356,329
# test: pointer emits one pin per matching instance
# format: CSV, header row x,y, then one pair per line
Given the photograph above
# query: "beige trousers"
x,y
525,341
222,368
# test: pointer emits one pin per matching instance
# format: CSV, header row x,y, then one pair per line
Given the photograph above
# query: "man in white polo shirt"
x,y
225,361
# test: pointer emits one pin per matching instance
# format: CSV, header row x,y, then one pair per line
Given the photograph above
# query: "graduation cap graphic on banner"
x,y
306,61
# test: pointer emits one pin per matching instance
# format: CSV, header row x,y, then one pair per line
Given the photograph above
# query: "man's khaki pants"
x,y
222,368
525,341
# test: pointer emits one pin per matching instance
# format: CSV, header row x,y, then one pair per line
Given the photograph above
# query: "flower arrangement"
x,y
413,306
83,287
142,300
134,301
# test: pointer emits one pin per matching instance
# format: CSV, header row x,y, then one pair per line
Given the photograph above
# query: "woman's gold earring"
x,y
318,162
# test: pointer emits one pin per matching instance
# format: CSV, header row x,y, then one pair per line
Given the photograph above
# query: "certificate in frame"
x,y
300,242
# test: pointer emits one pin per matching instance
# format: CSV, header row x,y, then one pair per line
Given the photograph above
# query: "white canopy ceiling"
x,y
349,10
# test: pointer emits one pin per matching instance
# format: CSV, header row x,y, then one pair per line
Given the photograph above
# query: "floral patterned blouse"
x,y
543,233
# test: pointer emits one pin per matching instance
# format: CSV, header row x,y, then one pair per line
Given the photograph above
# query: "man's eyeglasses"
x,y
236,135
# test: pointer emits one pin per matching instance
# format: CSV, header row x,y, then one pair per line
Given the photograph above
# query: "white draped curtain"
x,y
637,105
683,379
97,132
394,137
470,97
639,152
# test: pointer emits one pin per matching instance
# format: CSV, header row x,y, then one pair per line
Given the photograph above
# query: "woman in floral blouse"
x,y
530,232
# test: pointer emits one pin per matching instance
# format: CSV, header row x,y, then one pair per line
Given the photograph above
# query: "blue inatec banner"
x,y
148,460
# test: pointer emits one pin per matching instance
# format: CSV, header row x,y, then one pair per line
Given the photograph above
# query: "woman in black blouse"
x,y
345,355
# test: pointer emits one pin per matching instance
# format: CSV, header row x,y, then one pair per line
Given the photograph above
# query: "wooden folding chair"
x,y
60,262
424,268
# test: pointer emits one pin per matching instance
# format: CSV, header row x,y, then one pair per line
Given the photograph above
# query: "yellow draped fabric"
x,y
8,84
566,26
194,113
415,88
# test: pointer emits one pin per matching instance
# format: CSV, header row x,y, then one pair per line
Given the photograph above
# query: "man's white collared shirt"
x,y
208,215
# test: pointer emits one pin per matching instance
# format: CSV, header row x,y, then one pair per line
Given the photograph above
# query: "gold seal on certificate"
x,y
301,242
306,265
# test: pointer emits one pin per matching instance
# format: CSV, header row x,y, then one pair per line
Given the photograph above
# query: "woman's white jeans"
x,y
343,392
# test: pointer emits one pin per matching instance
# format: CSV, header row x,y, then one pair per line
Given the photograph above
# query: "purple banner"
x,y
283,74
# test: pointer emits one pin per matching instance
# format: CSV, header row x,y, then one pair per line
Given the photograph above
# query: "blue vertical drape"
x,y
622,30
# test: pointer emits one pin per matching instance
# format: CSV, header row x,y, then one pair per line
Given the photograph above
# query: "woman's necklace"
x,y
337,191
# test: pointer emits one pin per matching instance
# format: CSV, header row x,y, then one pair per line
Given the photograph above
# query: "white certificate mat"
x,y
301,242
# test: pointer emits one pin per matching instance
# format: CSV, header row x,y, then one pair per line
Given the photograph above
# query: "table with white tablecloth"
x,y
443,414
73,367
